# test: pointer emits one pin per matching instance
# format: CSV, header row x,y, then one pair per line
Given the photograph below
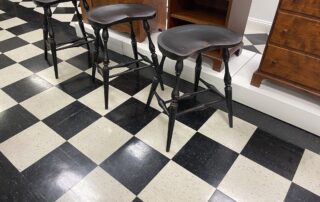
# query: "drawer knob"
x,y
285,31
274,62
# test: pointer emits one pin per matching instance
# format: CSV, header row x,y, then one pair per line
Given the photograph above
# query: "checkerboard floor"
x,y
58,143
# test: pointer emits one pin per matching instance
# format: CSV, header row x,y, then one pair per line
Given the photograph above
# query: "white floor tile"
x,y
24,53
12,74
95,99
217,128
65,70
12,22
155,135
4,35
98,186
174,183
308,173
22,152
47,102
70,53
248,181
32,36
6,101
99,140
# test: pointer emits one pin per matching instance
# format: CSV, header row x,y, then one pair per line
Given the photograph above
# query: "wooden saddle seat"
x,y
105,16
48,2
183,41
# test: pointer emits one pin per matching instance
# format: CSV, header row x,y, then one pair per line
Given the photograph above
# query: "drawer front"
x,y
297,32
292,66
309,7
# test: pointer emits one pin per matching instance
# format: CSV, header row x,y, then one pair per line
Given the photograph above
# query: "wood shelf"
x,y
200,17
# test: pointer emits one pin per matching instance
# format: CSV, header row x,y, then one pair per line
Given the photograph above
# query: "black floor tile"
x,y
13,186
218,196
206,159
15,120
64,10
24,28
137,200
70,120
257,39
59,171
11,44
128,83
273,153
5,61
134,164
79,85
80,61
38,63
4,16
194,119
299,194
132,115
27,87
251,48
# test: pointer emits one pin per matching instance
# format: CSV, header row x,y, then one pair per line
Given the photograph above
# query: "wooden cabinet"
x,y
292,55
159,23
232,14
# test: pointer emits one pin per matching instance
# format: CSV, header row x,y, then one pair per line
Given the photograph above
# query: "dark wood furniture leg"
x,y
83,32
197,72
53,46
174,103
45,36
105,74
228,87
153,52
96,53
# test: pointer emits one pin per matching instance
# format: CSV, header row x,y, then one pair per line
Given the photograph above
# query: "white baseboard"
x,y
259,25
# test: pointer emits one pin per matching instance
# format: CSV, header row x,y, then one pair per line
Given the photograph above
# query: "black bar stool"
x,y
48,30
101,18
180,43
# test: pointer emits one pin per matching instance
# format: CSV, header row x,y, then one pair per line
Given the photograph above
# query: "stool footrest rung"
x,y
199,107
211,87
121,65
100,71
162,103
145,58
191,95
75,44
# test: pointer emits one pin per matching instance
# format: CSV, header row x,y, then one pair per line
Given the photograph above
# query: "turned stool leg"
x,y
153,52
155,83
45,36
79,16
105,37
48,14
173,108
135,52
197,72
228,88
96,53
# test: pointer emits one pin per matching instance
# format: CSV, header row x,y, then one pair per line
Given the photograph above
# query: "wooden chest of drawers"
x,y
292,55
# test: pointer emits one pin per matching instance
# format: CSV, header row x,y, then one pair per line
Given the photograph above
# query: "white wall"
x,y
263,9
261,15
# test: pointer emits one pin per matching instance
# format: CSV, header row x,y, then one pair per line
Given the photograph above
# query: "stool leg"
x,y
96,53
197,72
45,36
228,87
153,52
105,37
135,51
174,104
155,83
74,2
48,13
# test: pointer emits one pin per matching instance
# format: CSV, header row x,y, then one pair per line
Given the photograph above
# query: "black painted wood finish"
x,y
180,43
